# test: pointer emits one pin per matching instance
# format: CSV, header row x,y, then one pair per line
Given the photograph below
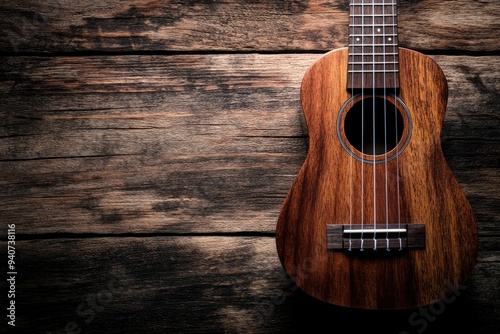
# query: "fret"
x,y
376,34
388,60
373,71
370,36
372,66
371,25
373,60
377,63
372,15
368,63
378,69
374,45
370,21
362,28
371,4
379,51
370,32
367,3
373,54
365,36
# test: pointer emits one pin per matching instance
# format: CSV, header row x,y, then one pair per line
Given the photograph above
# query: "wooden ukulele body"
x,y
416,187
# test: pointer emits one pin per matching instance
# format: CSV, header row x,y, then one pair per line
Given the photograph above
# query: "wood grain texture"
x,y
152,25
416,187
135,143
206,285
149,145
145,142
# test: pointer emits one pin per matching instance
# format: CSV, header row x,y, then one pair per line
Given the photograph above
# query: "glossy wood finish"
x,y
330,183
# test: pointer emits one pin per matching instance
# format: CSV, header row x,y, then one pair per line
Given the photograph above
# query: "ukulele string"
x,y
353,39
385,134
374,129
395,66
362,122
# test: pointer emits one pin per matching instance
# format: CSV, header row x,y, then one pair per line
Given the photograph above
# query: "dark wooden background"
x,y
146,148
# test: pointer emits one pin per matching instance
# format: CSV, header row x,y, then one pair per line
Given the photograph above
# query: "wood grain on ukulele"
x,y
375,209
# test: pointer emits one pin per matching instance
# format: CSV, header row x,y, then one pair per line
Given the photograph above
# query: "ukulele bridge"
x,y
359,237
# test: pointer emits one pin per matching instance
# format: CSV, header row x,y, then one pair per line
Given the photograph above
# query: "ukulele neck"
x,y
373,45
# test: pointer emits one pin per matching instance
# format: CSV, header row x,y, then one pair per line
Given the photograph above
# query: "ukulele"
x,y
375,218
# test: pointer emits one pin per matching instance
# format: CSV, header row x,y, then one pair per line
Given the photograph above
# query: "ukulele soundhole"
x,y
373,128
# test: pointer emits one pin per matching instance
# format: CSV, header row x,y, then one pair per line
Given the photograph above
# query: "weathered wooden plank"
x,y
193,143
208,284
140,25
187,131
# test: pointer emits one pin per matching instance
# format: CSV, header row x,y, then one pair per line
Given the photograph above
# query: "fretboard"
x,y
373,45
